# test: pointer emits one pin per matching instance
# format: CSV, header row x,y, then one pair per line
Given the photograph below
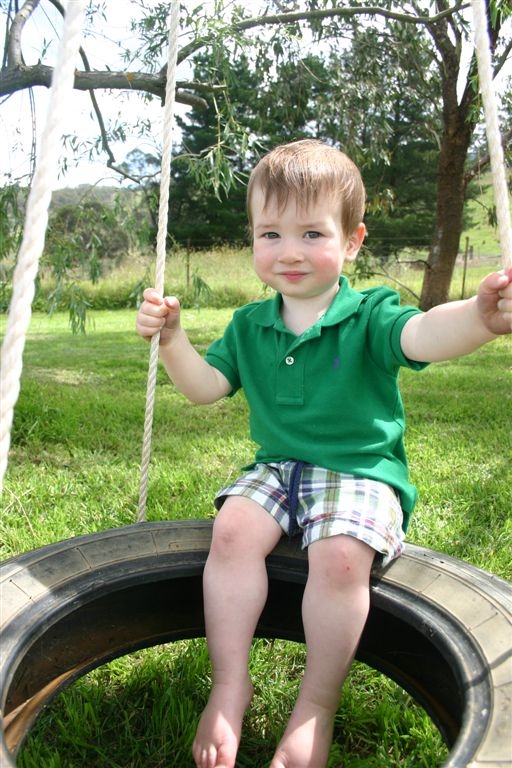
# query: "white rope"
x,y
163,212
499,178
36,220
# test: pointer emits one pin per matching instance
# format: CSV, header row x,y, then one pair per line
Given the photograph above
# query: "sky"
x,y
104,49
112,35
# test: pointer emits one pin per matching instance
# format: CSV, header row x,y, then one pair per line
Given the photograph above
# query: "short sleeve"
x,y
396,335
222,354
386,322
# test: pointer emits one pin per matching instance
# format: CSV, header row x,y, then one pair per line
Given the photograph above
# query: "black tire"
x,y
439,627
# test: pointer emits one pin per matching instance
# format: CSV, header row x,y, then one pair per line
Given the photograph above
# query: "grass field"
x,y
74,468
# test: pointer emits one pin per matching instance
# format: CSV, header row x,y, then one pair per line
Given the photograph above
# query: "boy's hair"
x,y
305,170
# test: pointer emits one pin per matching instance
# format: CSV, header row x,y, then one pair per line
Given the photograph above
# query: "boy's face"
x,y
298,252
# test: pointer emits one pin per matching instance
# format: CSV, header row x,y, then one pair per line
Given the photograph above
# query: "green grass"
x,y
142,711
74,468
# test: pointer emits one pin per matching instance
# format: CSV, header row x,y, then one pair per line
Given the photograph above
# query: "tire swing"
x,y
439,627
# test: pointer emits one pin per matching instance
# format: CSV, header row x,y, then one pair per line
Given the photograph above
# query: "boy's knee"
x,y
341,561
232,528
227,533
243,527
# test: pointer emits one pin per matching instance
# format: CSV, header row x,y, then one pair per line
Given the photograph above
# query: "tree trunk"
x,y
449,212
459,120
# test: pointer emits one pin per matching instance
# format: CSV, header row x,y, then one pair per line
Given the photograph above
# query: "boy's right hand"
x,y
157,313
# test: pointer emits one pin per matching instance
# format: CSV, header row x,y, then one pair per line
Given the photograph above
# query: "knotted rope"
x,y
165,181
36,220
496,154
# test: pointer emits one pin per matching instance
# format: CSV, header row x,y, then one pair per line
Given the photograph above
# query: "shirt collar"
x,y
344,305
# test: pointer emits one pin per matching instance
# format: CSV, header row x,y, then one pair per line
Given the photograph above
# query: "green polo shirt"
x,y
329,397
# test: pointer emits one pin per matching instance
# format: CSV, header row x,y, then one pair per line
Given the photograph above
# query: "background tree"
x,y
87,236
369,100
12,209
204,213
314,96
268,112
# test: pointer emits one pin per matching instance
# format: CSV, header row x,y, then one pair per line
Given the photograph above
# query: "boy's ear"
x,y
355,242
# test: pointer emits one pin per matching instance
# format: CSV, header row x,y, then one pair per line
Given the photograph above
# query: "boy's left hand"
x,y
494,301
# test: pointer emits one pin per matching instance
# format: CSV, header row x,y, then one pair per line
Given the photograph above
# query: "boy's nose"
x,y
289,252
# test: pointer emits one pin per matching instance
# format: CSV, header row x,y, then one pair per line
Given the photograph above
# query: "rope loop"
x,y
163,213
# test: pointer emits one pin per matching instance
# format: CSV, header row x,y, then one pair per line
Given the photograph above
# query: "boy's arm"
x,y
191,374
458,328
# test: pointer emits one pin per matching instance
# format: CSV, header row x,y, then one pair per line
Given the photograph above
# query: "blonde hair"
x,y
304,170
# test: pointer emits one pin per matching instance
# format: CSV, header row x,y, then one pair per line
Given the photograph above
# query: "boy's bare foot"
x,y
307,739
218,733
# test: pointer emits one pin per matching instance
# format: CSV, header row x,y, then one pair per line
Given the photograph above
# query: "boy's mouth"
x,y
293,275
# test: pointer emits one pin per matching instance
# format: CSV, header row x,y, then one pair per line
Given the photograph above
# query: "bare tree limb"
x,y
14,49
17,76
21,77
484,161
504,57
322,13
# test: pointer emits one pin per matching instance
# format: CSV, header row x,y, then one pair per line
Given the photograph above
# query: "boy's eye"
x,y
312,234
270,235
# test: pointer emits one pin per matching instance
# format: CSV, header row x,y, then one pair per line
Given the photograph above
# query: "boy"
x,y
319,366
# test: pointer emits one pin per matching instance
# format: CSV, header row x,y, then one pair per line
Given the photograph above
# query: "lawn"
x,y
74,468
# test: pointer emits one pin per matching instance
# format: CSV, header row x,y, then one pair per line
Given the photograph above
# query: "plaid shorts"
x,y
322,503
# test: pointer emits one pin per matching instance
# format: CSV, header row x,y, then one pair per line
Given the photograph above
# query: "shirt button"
x,y
289,360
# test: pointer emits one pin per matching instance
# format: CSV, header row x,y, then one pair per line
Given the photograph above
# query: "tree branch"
x,y
323,13
14,58
21,77
484,161
504,57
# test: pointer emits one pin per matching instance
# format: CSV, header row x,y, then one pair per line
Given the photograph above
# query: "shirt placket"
x,y
290,372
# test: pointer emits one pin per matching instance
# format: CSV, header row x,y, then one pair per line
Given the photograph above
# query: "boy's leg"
x,y
335,608
235,590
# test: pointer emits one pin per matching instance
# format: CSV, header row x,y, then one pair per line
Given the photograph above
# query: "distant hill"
x,y
74,195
